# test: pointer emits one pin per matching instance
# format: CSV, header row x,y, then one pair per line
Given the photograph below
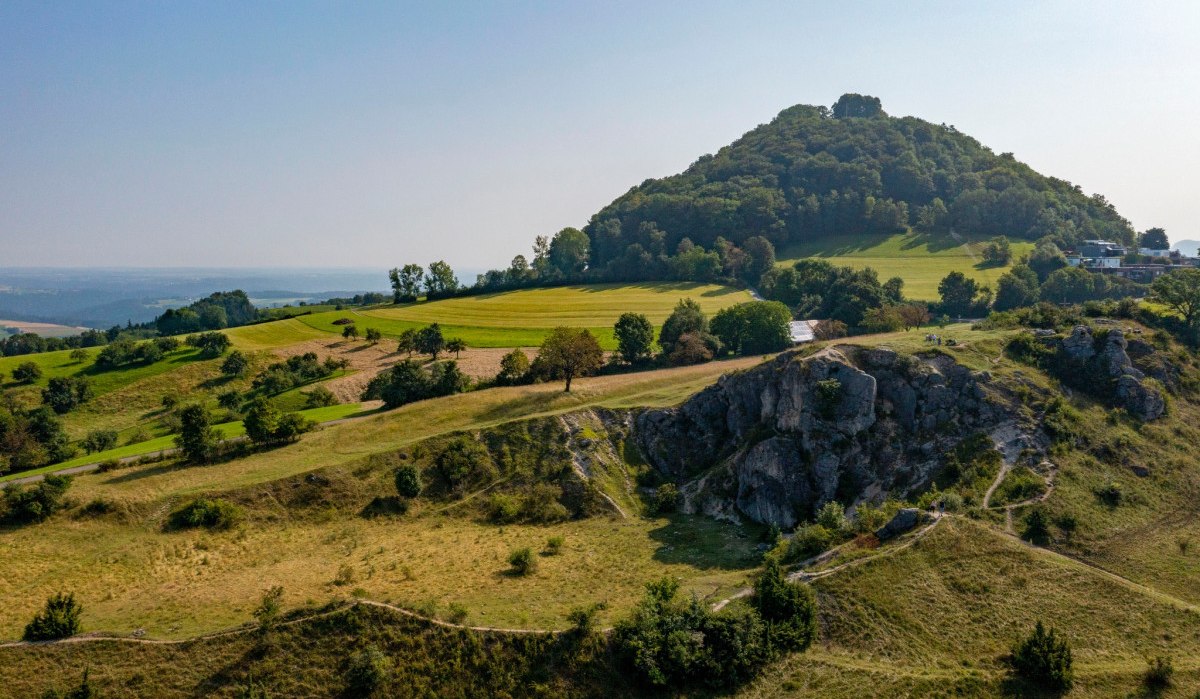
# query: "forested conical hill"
x,y
816,172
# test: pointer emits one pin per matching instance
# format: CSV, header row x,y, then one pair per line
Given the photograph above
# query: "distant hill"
x,y
815,172
1190,248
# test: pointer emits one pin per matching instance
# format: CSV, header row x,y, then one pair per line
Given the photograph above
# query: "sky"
x,y
368,135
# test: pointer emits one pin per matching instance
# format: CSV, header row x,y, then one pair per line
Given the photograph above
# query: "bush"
x,y
1159,671
808,541
366,671
503,508
320,397
1110,494
1036,526
554,545
790,609
65,393
36,504
235,364
666,498
1044,659
26,372
408,481
583,619
99,440
523,561
212,513
109,465
514,368
268,610
59,619
832,516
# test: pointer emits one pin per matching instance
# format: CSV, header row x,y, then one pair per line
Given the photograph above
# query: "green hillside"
x,y
930,614
921,260
524,318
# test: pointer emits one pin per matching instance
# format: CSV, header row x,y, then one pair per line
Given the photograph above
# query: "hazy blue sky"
x,y
361,134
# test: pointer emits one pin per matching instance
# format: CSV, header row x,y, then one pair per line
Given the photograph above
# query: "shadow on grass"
x,y
705,543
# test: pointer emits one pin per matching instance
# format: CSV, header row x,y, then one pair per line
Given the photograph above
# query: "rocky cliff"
x,y
778,441
1099,364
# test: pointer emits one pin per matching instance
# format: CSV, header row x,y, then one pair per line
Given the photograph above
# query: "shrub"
x,y
79,355
65,393
59,619
790,609
554,545
503,508
1159,671
808,541
1036,526
320,397
366,670
666,498
230,400
212,513
583,619
1110,494
374,335
109,465
99,440
456,613
26,372
832,516
829,394
196,439
1044,659
514,368
235,364
36,504
523,561
267,612
408,481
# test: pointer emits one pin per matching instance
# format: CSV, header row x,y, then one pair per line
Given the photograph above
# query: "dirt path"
x,y
291,622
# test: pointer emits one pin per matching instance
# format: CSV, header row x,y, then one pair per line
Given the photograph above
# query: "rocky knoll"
x,y
796,432
1099,363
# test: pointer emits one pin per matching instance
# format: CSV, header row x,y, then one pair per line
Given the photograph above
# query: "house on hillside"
x,y
1097,254
802,331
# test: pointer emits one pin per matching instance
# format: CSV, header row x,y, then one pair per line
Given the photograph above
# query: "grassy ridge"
x,y
921,260
523,318
227,430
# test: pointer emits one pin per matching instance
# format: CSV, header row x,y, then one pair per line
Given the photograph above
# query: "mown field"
x,y
523,318
921,260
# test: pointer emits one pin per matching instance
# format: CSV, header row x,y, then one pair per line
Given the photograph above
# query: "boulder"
x,y
904,520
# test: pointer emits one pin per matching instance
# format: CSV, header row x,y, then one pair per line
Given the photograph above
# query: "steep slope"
x,y
813,173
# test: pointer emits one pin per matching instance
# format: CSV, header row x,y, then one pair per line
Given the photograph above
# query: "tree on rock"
x,y
571,352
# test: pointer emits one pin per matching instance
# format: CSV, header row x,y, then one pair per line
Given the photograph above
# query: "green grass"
x,y
277,333
523,318
56,364
226,430
921,260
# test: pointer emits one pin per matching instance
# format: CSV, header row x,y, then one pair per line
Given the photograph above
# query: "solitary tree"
x,y
1044,659
634,335
513,367
235,364
408,342
350,332
1154,239
456,345
997,252
571,352
406,282
429,340
408,481
958,293
374,335
79,355
59,619
196,439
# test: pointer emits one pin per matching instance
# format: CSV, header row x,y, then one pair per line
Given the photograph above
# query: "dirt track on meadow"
x,y
367,360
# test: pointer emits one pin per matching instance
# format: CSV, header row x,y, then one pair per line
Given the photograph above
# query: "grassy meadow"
x,y
920,259
523,318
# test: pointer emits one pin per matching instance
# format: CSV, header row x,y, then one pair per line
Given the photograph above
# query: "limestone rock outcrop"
x,y
798,431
